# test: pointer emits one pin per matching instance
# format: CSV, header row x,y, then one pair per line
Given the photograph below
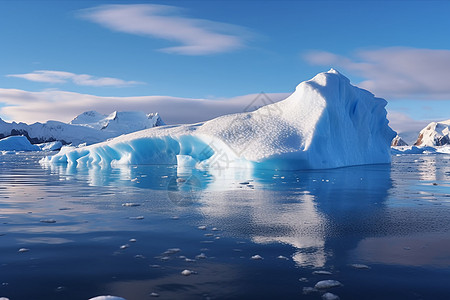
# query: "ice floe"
x,y
327,284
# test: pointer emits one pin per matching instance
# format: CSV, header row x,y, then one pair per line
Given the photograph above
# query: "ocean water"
x,y
381,231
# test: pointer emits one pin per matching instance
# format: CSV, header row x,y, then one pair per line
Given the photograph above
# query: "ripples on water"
x,y
381,231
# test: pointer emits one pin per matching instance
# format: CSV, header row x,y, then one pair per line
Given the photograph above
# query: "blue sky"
x,y
59,58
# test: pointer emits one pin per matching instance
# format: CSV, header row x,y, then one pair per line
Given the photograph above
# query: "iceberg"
x,y
325,123
17,143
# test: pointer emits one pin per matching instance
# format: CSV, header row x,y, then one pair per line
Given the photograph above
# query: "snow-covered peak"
x,y
435,134
88,117
118,121
398,141
323,79
130,121
89,127
333,71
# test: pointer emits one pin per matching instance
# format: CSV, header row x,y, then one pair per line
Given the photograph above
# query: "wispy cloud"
x,y
401,123
24,106
79,79
195,36
395,72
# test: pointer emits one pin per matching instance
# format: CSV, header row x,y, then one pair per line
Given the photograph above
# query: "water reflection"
x,y
305,209
325,219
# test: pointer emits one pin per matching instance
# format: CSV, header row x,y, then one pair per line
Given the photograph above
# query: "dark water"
x,y
76,231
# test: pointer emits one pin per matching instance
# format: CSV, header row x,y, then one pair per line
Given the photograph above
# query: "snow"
x,y
17,143
118,122
398,141
325,123
89,127
435,134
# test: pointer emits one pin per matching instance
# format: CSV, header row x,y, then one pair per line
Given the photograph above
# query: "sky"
x,y
194,60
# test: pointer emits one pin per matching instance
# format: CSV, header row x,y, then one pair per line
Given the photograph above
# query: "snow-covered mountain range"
x,y
434,134
89,127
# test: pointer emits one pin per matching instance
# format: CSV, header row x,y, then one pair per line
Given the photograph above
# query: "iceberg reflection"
x,y
307,210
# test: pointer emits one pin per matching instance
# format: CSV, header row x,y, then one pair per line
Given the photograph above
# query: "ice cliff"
x,y
325,123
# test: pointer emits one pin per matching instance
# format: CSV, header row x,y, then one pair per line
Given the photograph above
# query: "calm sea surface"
x,y
381,231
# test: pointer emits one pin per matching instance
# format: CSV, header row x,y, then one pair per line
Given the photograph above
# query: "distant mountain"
x,y
89,127
398,141
434,134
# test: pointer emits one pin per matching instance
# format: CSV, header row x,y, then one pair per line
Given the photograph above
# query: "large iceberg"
x,y
325,123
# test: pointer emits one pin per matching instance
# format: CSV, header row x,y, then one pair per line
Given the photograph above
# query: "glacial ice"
x,y
325,123
17,143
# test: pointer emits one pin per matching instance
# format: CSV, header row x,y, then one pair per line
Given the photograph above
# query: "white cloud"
x,y
31,107
402,122
195,36
395,72
79,79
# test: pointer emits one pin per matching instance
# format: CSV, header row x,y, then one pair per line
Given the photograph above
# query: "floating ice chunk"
x,y
256,257
309,290
154,295
201,256
282,257
50,221
186,272
24,250
303,279
137,218
327,284
359,266
322,273
189,260
330,296
172,251
108,297
139,256
130,204
132,240
124,246
202,227
214,229
3,298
